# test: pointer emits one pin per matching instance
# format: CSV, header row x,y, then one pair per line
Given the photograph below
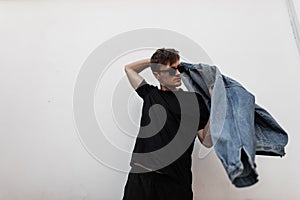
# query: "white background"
x,y
43,45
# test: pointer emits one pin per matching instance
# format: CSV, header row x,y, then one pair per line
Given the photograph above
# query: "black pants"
x,y
155,186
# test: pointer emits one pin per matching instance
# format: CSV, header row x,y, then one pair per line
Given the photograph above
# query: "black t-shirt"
x,y
165,114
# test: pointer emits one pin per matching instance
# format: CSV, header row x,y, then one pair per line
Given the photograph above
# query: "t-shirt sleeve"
x,y
144,89
204,112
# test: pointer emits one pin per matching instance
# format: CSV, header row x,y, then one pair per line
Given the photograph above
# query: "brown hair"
x,y
163,56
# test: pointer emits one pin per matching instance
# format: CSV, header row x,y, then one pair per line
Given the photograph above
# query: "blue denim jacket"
x,y
240,129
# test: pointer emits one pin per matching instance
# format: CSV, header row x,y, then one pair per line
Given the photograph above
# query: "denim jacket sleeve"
x,y
240,129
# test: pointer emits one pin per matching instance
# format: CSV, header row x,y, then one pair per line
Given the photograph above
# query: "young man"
x,y
150,178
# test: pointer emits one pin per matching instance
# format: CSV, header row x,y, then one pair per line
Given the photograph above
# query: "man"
x,y
150,177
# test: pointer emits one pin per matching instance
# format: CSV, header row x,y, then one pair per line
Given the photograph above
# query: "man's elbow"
x,y
126,68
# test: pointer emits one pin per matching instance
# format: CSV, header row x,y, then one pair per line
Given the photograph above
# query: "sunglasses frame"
x,y
172,70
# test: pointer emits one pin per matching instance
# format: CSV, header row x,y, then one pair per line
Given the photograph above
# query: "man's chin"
x,y
178,84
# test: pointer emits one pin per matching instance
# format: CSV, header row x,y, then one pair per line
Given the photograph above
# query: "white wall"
x,y
43,45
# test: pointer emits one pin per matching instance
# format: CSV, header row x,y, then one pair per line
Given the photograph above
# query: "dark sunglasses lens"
x,y
172,71
180,68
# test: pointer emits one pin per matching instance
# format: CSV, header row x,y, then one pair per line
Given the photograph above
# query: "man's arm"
x,y
132,71
204,136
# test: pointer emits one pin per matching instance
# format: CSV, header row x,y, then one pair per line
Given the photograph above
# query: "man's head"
x,y
163,65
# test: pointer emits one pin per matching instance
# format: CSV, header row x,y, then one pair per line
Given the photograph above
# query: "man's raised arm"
x,y
133,69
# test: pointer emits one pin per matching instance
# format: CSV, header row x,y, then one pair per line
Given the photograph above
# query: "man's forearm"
x,y
205,137
138,66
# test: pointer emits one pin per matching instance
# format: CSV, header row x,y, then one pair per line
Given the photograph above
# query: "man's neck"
x,y
164,88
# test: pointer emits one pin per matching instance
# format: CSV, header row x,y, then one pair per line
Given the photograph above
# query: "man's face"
x,y
171,79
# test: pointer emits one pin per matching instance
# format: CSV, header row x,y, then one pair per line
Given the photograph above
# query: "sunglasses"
x,y
172,70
